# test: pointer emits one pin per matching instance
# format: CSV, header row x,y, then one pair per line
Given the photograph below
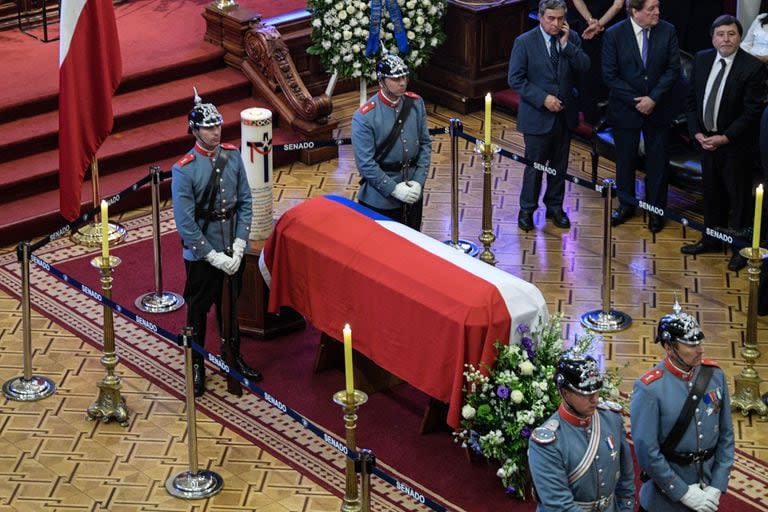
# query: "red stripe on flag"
x,y
88,77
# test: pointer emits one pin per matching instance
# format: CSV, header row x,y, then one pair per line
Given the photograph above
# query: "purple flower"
x,y
502,392
522,328
526,432
527,344
511,489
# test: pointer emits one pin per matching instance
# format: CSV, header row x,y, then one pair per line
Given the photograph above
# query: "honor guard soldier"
x,y
681,423
212,207
392,147
579,458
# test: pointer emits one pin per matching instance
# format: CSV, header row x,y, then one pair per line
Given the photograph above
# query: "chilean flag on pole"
x,y
90,69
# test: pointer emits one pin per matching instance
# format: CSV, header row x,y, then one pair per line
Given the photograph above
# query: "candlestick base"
x,y
109,405
752,253
464,246
194,486
746,397
90,234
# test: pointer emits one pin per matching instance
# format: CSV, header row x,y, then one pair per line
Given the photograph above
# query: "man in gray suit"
x,y
543,71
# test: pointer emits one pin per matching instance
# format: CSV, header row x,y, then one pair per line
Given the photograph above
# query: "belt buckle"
x,y
602,503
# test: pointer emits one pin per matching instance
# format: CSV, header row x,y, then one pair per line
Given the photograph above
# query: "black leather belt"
x,y
688,458
223,214
398,167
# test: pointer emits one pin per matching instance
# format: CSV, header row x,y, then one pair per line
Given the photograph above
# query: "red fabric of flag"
x,y
90,69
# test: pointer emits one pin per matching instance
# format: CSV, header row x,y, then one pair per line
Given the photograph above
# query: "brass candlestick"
x,y
747,390
350,404
109,405
487,237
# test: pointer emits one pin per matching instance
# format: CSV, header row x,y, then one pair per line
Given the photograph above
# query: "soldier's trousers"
x,y
203,290
408,214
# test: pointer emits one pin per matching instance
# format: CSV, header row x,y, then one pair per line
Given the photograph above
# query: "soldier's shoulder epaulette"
x,y
651,376
186,159
547,433
607,405
710,362
367,107
412,95
230,147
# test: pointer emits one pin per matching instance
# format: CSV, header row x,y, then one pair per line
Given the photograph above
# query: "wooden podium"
x,y
252,315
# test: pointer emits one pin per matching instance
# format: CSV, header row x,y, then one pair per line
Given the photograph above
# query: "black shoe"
x,y
655,223
241,366
621,215
701,247
737,262
559,218
198,375
525,220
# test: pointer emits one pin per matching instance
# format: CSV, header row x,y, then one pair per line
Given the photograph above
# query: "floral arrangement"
x,y
340,30
505,403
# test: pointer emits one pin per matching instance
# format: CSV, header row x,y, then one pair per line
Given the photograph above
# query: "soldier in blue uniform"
x,y
685,451
392,146
212,207
579,458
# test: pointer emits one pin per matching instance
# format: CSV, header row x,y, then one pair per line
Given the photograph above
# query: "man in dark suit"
x,y
723,112
641,63
542,70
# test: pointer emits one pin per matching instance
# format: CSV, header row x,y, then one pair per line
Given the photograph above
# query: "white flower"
x,y
411,35
317,23
468,412
526,367
410,4
336,36
343,15
516,396
419,20
406,22
347,35
339,6
351,9
326,45
356,49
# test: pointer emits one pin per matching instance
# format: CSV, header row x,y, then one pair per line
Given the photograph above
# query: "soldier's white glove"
x,y
416,186
219,260
406,193
696,499
238,247
714,493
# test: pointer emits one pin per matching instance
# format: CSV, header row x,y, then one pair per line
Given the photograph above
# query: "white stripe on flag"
x,y
70,13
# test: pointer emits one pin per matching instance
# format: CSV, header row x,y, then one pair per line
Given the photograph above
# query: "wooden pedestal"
x,y
252,315
474,58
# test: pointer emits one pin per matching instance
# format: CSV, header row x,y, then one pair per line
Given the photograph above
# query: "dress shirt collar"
x,y
547,38
677,372
204,152
571,418
728,60
637,29
387,101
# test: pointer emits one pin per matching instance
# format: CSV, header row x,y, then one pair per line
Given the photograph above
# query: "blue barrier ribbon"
x,y
401,36
374,30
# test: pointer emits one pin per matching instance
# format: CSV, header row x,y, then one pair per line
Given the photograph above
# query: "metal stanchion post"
x,y
193,484
158,301
28,387
364,466
487,237
109,405
468,247
90,234
746,395
606,319
350,404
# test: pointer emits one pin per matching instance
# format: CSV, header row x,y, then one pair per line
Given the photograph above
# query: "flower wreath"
x,y
341,30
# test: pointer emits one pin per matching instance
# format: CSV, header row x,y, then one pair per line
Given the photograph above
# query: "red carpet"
x,y
388,423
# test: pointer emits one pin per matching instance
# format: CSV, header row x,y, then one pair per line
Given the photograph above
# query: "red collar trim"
x,y
204,152
386,101
677,372
571,418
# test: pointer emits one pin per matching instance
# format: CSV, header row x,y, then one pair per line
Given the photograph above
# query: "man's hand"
x,y
552,103
712,142
219,260
416,186
564,34
714,494
644,105
696,499
405,193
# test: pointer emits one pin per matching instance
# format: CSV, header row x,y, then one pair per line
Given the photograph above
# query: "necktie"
x,y
554,54
644,52
709,108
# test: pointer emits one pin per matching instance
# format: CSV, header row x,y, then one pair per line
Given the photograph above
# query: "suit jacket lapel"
x,y
545,50
630,33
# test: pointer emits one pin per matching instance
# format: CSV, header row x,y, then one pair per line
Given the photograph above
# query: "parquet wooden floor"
x,y
51,459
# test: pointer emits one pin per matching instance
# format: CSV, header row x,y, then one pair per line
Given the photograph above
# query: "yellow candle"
x,y
350,378
758,216
488,118
104,231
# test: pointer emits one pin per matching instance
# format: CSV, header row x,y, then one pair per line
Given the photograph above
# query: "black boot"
x,y
241,366
198,374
